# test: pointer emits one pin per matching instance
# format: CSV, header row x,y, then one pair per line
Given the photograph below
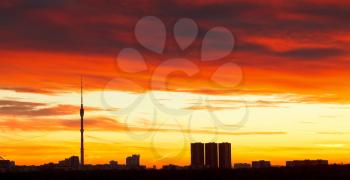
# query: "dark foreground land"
x,y
310,173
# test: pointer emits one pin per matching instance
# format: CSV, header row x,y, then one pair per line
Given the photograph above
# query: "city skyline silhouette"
x,y
210,155
233,88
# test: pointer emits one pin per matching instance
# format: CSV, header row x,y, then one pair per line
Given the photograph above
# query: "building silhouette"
x,y
211,155
6,164
306,163
241,165
261,164
197,155
225,155
69,163
133,161
172,167
113,163
81,124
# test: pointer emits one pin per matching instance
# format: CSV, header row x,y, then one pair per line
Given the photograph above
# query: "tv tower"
x,y
81,124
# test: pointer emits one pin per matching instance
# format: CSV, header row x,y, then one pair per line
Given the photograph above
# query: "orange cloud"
x,y
19,108
282,47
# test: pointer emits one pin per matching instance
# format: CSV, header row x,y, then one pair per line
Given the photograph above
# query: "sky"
x,y
277,88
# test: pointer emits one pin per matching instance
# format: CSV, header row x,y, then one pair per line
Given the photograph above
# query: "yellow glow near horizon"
x,y
276,128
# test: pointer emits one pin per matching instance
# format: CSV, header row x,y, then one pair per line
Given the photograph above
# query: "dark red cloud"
x,y
282,46
19,108
102,27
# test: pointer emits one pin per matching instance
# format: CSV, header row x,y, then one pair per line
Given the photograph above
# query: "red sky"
x,y
282,47
299,47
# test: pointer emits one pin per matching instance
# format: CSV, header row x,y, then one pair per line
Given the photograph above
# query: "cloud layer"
x,y
295,47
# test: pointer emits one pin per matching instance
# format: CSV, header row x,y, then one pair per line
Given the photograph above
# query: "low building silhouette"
x,y
261,164
69,163
133,161
49,165
113,163
306,163
241,165
172,167
6,165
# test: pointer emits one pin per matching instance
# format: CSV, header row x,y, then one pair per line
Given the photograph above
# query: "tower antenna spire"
x,y
81,123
